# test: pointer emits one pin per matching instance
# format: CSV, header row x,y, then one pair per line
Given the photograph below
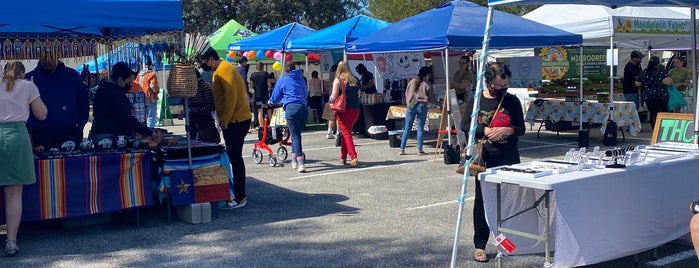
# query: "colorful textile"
x,y
624,113
212,179
84,185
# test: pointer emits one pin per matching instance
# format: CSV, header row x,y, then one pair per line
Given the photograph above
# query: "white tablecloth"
x,y
599,215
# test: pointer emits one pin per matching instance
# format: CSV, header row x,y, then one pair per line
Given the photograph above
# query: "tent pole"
x,y
472,132
611,71
694,74
446,94
580,59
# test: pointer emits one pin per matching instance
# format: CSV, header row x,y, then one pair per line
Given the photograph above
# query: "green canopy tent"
x,y
232,31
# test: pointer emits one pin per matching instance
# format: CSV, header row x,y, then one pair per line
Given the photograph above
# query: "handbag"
x,y
478,163
676,100
452,154
328,113
341,101
412,103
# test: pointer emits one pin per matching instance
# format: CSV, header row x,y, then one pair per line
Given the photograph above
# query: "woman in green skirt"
x,y
17,98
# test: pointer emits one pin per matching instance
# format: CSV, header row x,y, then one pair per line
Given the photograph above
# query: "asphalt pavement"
x,y
392,211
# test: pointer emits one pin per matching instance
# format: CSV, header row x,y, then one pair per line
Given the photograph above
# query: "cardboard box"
x,y
195,213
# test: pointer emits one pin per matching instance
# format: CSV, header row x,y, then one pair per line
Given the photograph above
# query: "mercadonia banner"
x,y
562,62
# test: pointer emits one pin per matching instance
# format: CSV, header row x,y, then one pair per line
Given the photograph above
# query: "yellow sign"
x,y
554,63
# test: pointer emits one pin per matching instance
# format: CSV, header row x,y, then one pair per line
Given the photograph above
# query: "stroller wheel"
x,y
272,161
257,156
282,153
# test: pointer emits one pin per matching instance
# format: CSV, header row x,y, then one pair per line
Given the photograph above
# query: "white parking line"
x,y
439,204
350,170
673,258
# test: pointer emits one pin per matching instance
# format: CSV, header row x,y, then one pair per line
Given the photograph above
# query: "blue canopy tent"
x,y
128,53
113,18
276,39
335,37
450,25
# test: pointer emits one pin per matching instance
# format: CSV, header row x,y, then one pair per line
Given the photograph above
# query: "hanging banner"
x,y
398,65
651,25
561,62
525,71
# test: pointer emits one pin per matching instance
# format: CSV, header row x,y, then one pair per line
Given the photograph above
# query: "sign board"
x,y
525,71
562,62
673,127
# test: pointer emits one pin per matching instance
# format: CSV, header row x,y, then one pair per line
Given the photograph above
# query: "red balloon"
x,y
289,57
269,54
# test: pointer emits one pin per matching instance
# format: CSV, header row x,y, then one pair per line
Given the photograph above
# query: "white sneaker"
x,y
301,160
294,163
301,168
330,136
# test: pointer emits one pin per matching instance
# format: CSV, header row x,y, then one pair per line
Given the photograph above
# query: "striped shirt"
x,y
203,102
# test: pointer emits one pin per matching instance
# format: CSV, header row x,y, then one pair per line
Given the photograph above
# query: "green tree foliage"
x,y
395,10
205,16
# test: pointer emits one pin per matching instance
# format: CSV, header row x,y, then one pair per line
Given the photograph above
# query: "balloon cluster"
x,y
261,55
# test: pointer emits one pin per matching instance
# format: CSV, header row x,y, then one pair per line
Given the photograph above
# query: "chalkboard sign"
x,y
673,127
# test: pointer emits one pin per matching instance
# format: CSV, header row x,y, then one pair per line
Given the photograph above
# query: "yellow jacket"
x,y
230,95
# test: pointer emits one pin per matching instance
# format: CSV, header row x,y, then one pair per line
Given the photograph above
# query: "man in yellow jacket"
x,y
234,117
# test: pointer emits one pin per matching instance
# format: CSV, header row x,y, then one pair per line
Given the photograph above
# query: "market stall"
x,y
91,178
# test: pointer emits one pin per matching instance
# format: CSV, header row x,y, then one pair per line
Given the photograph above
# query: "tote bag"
x,y
341,101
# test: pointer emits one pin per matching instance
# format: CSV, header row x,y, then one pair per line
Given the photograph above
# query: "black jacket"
x,y
112,112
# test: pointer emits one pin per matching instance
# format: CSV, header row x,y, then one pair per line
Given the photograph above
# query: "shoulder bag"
x,y
341,101
478,163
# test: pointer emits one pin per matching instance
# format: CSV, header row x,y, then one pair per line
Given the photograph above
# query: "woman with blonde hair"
x,y
346,83
17,98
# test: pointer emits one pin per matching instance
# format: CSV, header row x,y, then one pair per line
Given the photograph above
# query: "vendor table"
x,y
82,185
433,116
596,215
624,113
214,185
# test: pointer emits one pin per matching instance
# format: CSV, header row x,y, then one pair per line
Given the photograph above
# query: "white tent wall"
x,y
596,24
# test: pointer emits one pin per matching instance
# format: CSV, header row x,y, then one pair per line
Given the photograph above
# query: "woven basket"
x,y
182,81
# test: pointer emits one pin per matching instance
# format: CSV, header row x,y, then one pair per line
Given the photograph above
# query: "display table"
x,y
624,113
214,185
82,185
434,116
596,215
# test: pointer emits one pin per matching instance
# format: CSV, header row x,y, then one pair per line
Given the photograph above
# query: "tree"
x,y
395,10
205,16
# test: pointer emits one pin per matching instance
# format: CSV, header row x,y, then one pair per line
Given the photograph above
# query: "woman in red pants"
x,y
347,83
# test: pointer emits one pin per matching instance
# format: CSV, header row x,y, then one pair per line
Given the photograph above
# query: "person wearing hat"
x,y
631,70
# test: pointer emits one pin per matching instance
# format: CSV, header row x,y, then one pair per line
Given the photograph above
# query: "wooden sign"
x,y
673,127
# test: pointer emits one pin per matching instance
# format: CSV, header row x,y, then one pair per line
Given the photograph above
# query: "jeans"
x,y
296,115
152,114
420,112
234,137
632,97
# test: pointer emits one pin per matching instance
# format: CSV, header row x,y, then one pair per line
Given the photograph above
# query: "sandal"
x,y
480,256
401,152
421,153
11,248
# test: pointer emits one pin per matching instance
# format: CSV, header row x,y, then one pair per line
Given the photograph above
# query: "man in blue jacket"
x,y
66,97
291,90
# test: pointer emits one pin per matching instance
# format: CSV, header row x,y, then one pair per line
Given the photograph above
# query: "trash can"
x,y
394,138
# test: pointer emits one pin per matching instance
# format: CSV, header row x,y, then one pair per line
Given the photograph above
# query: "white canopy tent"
x,y
626,27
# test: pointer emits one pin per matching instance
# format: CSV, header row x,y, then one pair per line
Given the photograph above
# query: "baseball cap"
x,y
637,54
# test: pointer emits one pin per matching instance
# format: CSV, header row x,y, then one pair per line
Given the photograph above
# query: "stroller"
x,y
269,135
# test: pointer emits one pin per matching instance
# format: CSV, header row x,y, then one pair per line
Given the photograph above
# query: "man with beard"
x,y
66,97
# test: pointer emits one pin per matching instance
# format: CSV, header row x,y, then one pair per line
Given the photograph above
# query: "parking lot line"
x,y
673,258
350,170
439,204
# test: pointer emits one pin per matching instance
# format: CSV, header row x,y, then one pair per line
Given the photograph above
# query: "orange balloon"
x,y
252,54
231,54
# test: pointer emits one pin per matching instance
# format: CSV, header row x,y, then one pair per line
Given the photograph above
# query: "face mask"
x,y
497,93
206,67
